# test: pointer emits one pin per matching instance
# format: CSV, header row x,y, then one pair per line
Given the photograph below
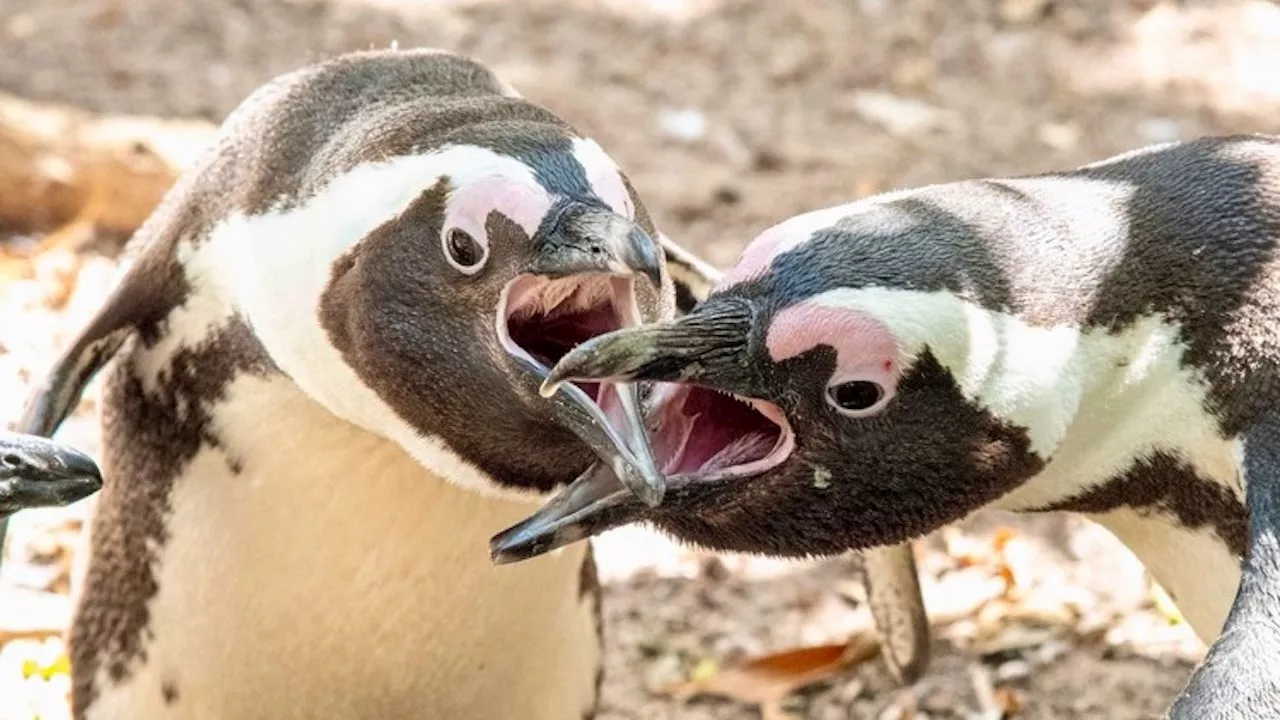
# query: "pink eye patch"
x,y
865,348
469,206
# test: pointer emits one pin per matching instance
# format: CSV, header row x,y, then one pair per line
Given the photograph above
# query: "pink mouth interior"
x,y
702,432
548,318
694,430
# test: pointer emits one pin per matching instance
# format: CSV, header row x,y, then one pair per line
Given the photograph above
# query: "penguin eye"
x,y
463,251
856,398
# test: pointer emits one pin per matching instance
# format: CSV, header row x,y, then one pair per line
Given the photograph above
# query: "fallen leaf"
x,y
767,681
1000,539
1008,700
901,116
1021,12
1010,582
705,670
985,692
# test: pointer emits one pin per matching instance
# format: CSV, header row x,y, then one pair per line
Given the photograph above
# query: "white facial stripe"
x,y
604,177
275,266
1094,401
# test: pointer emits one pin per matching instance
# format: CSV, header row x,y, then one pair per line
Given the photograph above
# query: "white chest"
x,y
334,578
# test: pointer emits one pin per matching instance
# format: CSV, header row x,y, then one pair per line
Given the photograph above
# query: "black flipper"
x,y
147,292
1239,678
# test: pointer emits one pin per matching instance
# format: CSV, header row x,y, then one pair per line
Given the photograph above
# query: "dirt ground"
x,y
729,116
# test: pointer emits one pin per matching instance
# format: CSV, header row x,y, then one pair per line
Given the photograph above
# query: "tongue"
x,y
706,431
606,396
740,451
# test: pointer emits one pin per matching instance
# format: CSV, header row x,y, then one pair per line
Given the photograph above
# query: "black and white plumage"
x,y
38,472
889,576
321,397
1104,340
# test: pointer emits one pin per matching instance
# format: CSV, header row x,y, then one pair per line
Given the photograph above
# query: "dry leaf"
x,y
1000,539
767,681
1008,700
1010,582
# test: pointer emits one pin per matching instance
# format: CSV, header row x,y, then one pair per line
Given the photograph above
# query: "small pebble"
x,y
1158,130
686,125
1012,671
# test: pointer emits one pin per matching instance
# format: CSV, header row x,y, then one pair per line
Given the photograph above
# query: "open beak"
x,y
597,501
581,284
37,472
707,345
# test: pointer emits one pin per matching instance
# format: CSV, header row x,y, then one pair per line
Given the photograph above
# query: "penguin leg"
x,y
1239,677
897,606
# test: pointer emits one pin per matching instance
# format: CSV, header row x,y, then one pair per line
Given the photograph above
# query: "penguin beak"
x,y
36,472
595,502
706,432
584,239
579,285
709,345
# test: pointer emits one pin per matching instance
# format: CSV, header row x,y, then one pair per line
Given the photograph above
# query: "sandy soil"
x,y
729,116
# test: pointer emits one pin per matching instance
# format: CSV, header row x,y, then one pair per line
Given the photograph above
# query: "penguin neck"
x,y
1121,422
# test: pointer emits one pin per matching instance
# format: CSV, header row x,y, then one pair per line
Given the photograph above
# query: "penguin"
x,y
320,366
890,579
1102,340
37,472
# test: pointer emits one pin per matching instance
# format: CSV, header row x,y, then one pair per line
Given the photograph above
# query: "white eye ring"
x,y
858,397
460,246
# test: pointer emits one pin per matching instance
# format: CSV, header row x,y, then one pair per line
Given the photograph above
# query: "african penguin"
x,y
1104,340
321,398
889,577
37,472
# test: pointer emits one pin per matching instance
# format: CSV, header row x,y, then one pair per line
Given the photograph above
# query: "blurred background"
x,y
729,116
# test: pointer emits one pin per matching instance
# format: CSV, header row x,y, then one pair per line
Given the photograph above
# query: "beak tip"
x,y
528,540
504,549
501,556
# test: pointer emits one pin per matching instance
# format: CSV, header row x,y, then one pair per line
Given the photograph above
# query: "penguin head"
x,y
434,321
37,472
816,402
454,311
